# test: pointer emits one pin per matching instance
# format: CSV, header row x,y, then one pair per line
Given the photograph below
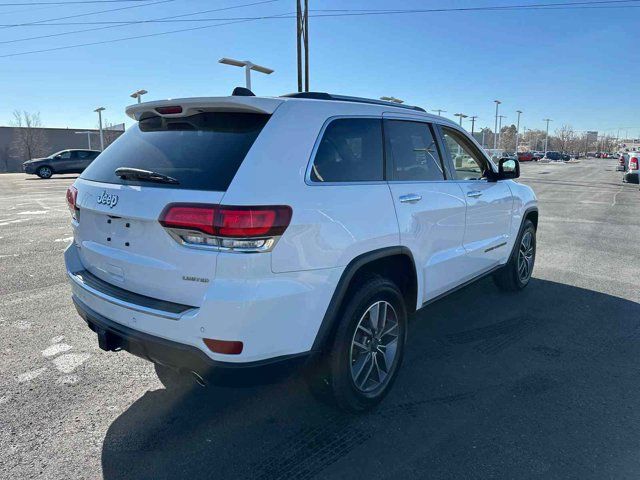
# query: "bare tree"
x,y
564,138
29,140
508,138
111,132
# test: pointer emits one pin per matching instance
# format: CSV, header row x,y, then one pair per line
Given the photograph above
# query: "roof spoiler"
x,y
184,107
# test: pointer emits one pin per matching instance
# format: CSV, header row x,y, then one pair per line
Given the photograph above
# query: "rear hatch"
x,y
120,239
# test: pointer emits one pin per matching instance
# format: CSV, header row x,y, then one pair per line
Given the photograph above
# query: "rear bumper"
x,y
186,358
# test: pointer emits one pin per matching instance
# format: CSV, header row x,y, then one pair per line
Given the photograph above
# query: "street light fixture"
x,y
248,66
88,134
461,115
99,111
392,99
138,94
495,131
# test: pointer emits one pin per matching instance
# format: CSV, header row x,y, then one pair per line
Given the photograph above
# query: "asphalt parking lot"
x,y
540,384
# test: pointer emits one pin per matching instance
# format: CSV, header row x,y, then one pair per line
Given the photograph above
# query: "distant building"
x,y
45,141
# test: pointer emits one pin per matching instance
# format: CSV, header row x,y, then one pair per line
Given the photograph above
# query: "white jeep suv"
x,y
229,239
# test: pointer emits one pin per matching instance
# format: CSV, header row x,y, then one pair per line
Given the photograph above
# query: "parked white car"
x,y
230,238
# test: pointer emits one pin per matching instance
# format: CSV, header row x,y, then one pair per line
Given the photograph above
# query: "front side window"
x,y
412,150
467,161
66,155
350,151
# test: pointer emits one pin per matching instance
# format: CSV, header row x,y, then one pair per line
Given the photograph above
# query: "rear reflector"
x,y
169,110
223,346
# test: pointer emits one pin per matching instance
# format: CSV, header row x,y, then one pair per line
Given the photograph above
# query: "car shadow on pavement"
x,y
501,385
57,177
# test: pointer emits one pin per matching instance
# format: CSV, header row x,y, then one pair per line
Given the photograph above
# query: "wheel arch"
x,y
530,213
53,170
395,263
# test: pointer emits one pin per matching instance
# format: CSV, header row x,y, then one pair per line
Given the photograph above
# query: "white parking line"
x,y
56,349
68,362
31,375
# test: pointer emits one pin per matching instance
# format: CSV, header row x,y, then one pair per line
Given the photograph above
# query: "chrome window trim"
x,y
121,303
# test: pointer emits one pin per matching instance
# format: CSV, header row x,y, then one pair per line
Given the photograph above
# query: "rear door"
x,y
430,209
83,159
120,238
489,203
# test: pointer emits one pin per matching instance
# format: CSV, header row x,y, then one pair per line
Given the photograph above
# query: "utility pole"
x,y
439,111
495,131
546,138
500,127
99,110
302,34
473,123
519,112
138,94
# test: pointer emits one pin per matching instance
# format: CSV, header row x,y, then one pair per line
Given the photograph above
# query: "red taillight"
x,y
169,110
228,221
621,160
633,163
223,346
231,228
189,217
72,197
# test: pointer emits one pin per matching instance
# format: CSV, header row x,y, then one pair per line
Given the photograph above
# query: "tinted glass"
x,y
83,154
203,152
412,150
468,163
350,151
66,155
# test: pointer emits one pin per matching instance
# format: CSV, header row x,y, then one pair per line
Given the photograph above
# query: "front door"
x,y
489,203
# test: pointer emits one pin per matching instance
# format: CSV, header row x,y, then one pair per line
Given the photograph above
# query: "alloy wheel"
x,y
374,347
525,257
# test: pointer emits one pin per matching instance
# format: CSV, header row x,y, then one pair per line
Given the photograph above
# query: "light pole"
x,y
439,111
88,134
519,112
248,66
500,127
138,94
461,115
546,138
495,131
99,110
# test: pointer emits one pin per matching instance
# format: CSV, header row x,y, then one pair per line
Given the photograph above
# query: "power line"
x,y
39,22
229,21
126,25
352,13
77,2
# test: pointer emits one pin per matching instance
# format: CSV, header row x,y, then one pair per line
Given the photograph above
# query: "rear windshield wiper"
x,y
145,175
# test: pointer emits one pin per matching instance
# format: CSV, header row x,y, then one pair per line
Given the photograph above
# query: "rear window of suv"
x,y
203,151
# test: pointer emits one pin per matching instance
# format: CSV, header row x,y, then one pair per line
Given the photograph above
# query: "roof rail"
x,y
345,98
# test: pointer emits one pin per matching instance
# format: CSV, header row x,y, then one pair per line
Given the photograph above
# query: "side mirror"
x,y
58,157
508,168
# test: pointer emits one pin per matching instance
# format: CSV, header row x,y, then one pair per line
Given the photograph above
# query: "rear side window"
x,y
350,151
203,152
412,150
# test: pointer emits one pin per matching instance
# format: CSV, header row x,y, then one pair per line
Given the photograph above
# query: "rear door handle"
x,y
410,198
474,193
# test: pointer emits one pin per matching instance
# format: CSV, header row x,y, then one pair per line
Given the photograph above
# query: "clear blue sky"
x,y
579,67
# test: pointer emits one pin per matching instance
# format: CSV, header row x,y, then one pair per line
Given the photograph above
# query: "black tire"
x,y
332,381
44,172
173,380
510,277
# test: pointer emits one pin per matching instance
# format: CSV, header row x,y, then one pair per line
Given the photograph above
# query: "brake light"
x,y
72,197
169,110
249,229
633,163
621,160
